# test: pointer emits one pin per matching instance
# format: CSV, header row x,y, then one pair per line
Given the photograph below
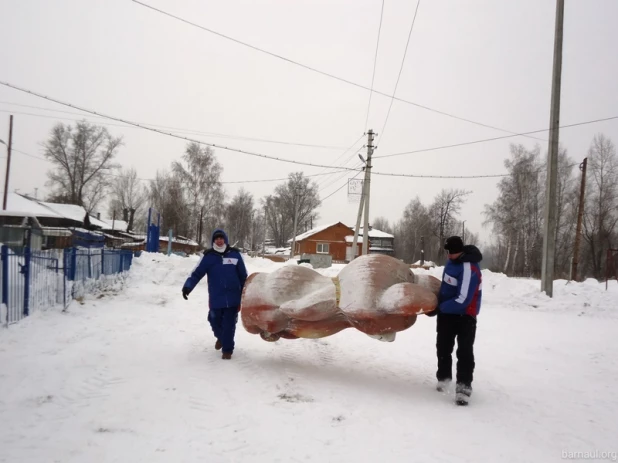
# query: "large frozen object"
x,y
376,294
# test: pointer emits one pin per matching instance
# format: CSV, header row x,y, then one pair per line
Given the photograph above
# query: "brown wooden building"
x,y
328,239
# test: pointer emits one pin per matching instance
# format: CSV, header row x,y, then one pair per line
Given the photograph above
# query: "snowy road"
x,y
132,376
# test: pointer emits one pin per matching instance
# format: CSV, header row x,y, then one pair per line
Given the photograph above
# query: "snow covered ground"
x,y
130,375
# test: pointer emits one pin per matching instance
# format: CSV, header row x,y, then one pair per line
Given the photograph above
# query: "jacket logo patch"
x,y
230,261
450,280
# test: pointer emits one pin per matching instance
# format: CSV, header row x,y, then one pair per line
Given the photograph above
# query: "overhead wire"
x,y
375,61
223,182
310,68
424,150
152,129
340,187
175,129
403,60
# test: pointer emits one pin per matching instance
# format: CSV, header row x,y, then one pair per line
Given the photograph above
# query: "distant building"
x,y
379,242
334,239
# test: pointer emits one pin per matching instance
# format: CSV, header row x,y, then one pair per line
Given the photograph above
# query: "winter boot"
x,y
462,394
443,385
226,356
218,345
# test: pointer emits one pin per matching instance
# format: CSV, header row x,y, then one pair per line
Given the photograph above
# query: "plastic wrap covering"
x,y
376,294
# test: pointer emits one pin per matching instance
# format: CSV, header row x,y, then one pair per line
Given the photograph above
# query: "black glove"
x,y
185,292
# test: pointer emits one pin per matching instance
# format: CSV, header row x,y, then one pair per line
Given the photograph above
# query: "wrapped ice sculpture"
x,y
375,294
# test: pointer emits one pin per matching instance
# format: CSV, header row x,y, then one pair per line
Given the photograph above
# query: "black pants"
x,y
462,327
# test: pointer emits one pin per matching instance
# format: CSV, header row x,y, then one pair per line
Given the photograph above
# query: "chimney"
x,y
125,215
98,216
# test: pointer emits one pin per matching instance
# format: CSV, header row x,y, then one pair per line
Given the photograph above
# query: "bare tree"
x,y
381,223
444,210
81,156
601,212
167,197
201,179
128,196
297,193
415,224
239,218
516,215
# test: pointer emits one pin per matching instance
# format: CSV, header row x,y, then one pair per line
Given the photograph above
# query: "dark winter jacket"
x,y
461,288
226,275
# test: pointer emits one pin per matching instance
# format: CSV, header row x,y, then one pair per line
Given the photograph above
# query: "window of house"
x,y
322,248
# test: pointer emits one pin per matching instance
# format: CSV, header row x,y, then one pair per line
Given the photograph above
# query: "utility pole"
x,y
358,221
8,162
265,227
296,198
367,185
580,215
549,227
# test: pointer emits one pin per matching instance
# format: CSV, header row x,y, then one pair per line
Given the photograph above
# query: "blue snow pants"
x,y
223,324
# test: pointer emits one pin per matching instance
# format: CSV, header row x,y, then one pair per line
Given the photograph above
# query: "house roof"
x,y
117,224
19,206
73,212
350,239
374,233
314,231
23,206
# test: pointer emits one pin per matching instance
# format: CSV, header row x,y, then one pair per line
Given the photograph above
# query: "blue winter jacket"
x,y
226,275
461,288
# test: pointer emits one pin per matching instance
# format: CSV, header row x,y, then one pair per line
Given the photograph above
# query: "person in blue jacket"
x,y
226,278
459,303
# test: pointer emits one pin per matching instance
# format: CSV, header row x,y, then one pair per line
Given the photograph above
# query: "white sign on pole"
x,y
355,189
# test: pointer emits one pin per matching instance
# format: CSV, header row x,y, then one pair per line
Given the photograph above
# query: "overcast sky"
x,y
487,61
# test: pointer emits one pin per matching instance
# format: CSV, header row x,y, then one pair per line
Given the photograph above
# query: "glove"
x,y
185,292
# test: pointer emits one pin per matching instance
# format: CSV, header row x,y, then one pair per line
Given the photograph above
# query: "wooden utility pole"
x,y
580,216
549,227
8,163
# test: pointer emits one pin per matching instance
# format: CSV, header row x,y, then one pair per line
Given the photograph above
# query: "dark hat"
x,y
218,234
454,244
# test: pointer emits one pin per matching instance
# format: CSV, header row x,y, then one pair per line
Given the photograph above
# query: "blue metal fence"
x,y
33,280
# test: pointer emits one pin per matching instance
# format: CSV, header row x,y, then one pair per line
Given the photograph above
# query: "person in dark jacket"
x,y
459,303
226,278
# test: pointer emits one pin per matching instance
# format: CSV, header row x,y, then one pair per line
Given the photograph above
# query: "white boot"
x,y
443,385
462,394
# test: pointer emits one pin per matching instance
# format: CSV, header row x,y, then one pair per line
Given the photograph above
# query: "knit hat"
x,y
454,244
218,235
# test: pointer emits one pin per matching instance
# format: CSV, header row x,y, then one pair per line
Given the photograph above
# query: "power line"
x,y
176,129
339,188
439,176
424,150
339,177
403,60
304,66
231,182
347,150
324,180
375,61
117,119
